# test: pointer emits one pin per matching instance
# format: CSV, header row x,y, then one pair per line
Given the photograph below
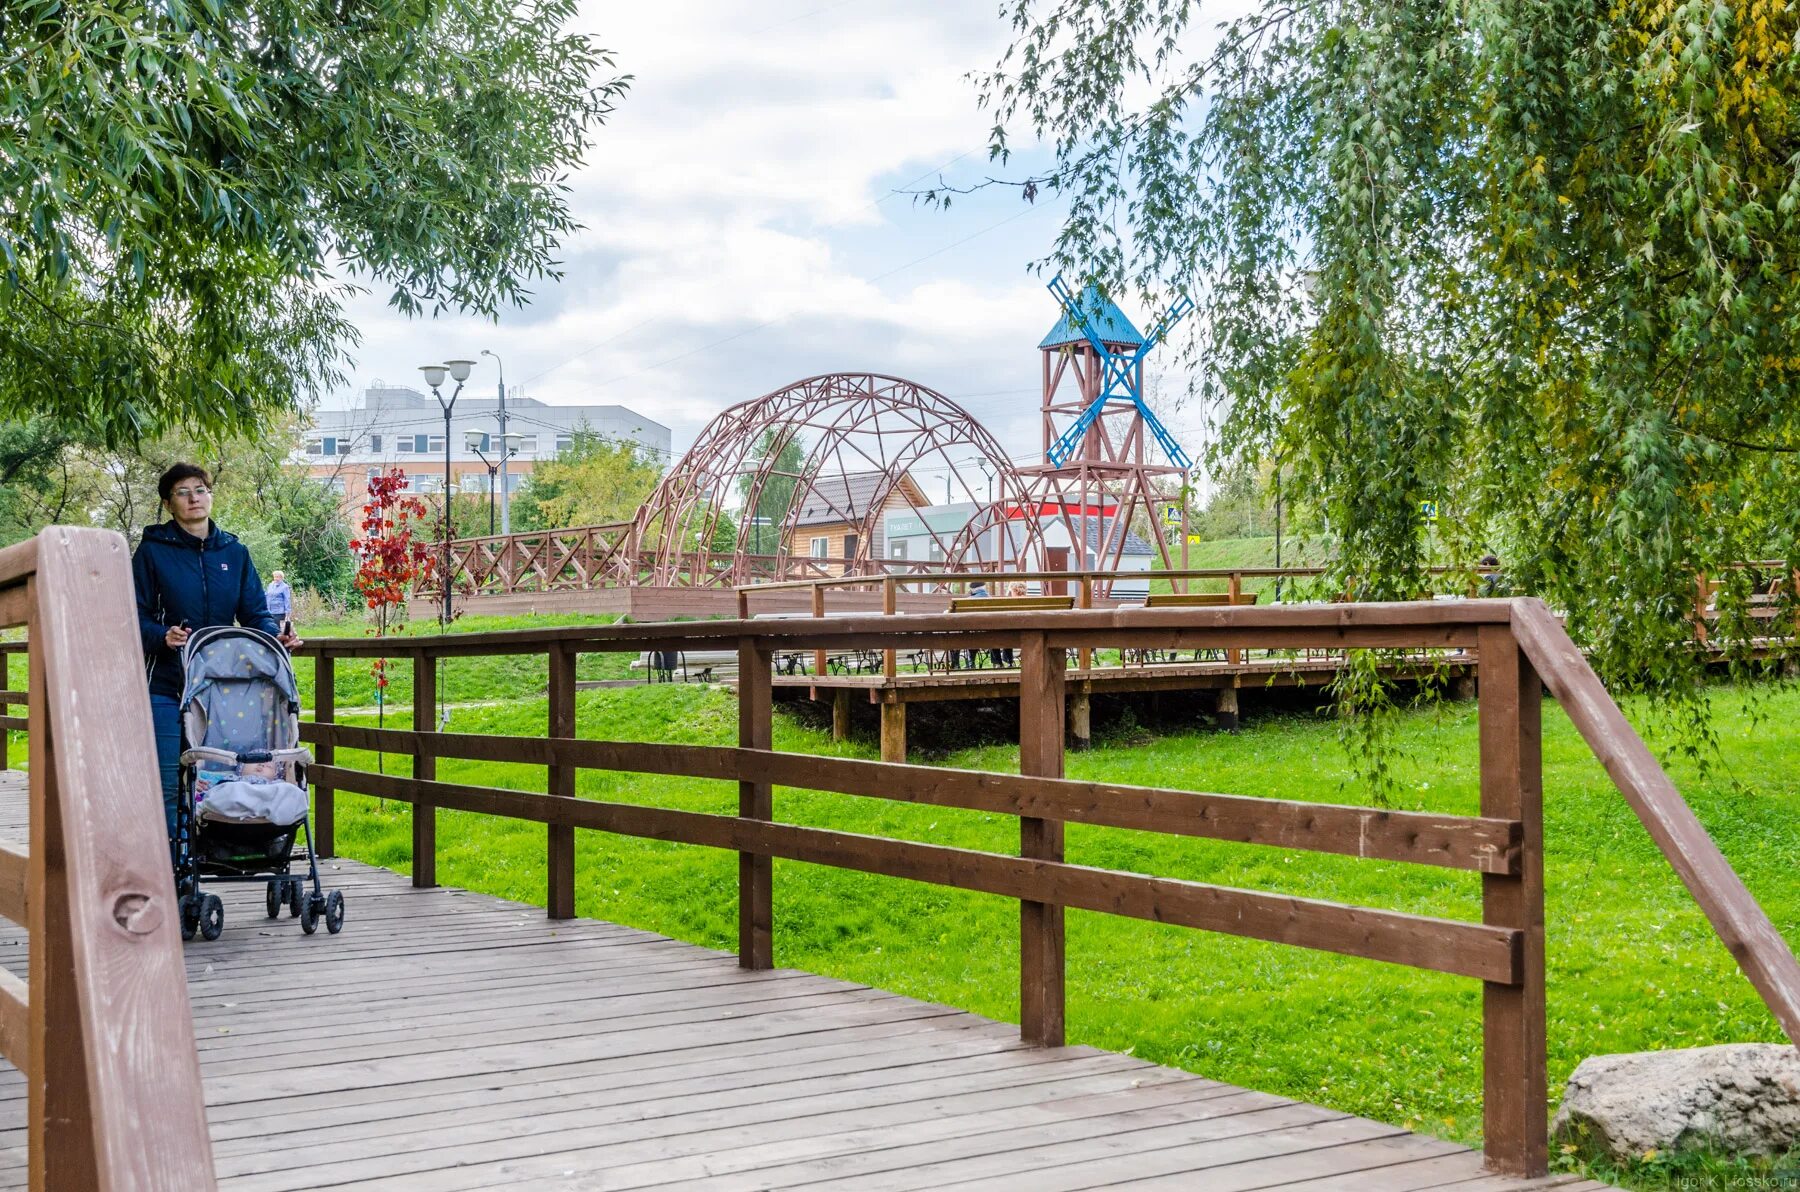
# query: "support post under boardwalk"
x,y
756,895
893,731
1081,721
1515,1103
1227,709
324,825
840,714
559,900
1041,685
424,815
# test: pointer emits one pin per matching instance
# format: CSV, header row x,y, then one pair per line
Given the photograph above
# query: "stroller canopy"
x,y
240,694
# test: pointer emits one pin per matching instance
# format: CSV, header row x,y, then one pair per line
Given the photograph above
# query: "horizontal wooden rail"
x,y
1455,842
15,1021
1338,626
1444,945
15,879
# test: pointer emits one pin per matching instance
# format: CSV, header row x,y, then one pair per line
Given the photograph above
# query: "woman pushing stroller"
x,y
189,575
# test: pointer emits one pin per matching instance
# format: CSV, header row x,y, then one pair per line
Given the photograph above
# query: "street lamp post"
x,y
458,371
508,449
500,413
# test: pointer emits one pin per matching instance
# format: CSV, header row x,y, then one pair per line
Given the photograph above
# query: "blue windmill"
x,y
1096,323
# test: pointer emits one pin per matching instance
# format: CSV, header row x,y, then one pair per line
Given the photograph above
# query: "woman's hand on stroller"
x,y
176,636
289,640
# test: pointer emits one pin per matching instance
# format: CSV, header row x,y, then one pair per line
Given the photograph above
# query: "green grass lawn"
x,y
1633,964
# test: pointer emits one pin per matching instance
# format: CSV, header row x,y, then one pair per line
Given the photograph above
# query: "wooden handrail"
x,y
102,1029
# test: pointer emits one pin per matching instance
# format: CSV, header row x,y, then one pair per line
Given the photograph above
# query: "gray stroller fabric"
x,y
240,693
253,801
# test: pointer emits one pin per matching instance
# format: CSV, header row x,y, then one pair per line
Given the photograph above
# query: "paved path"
x,y
449,1040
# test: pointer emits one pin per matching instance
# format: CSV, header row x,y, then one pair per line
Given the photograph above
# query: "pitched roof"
x,y
848,498
1103,315
1134,545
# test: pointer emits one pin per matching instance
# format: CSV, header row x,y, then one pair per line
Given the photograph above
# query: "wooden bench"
x,y
1197,599
1010,604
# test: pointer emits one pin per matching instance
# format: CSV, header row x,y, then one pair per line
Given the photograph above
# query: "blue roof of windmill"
x,y
1103,315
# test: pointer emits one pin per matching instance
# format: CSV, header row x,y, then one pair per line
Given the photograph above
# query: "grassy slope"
x,y
1633,964
1239,552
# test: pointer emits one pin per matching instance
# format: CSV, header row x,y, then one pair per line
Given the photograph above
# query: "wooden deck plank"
x,y
449,1040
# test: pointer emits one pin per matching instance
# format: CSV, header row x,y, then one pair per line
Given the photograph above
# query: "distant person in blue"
x,y
280,597
189,575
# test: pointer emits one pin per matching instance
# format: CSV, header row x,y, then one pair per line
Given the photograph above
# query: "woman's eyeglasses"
x,y
185,494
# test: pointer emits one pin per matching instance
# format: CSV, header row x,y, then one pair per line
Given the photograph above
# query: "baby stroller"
x,y
242,800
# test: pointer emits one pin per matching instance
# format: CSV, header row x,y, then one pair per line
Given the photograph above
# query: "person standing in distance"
x,y
281,600
189,575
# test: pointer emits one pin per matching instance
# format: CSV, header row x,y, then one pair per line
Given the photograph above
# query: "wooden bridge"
x,y
449,1040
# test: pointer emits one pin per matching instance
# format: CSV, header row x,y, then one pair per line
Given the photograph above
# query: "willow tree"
x,y
1534,261
190,190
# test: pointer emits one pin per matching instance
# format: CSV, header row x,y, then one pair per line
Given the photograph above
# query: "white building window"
x,y
527,442
474,482
435,444
564,443
404,444
821,548
375,443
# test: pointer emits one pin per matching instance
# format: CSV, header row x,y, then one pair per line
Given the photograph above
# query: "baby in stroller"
x,y
242,805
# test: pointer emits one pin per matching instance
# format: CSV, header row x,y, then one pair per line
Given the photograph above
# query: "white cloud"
x,y
737,236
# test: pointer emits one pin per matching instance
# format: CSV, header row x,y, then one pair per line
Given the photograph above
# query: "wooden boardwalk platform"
x,y
449,1040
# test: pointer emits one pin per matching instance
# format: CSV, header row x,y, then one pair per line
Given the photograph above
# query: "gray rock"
x,y
1742,1098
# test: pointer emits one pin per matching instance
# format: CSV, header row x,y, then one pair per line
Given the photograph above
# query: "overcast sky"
x,y
742,229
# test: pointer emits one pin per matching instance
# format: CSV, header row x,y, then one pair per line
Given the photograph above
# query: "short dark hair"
x,y
175,475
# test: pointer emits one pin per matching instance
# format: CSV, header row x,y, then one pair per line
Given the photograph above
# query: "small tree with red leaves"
x,y
390,558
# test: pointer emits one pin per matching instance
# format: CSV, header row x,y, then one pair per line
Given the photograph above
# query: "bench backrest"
x,y
996,604
1196,599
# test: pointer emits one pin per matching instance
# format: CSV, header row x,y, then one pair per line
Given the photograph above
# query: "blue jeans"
x,y
165,717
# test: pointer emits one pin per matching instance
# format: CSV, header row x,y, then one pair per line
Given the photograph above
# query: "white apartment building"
x,y
396,427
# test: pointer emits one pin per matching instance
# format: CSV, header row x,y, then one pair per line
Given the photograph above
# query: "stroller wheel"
x,y
334,911
309,914
295,896
190,915
272,899
212,917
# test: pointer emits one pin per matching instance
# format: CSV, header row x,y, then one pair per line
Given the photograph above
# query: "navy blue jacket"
x,y
182,579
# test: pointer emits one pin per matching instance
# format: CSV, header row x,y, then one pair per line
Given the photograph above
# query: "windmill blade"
x,y
1164,439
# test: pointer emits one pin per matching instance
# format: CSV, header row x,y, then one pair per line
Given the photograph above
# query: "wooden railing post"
x,y
890,603
1084,658
60,1133
1515,1101
5,710
818,610
324,712
756,896
113,1090
424,814
1041,688
1234,588
559,901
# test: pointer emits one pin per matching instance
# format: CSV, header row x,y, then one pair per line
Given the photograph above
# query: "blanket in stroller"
x,y
248,798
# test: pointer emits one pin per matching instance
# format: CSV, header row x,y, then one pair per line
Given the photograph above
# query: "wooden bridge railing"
x,y
1518,644
102,1029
